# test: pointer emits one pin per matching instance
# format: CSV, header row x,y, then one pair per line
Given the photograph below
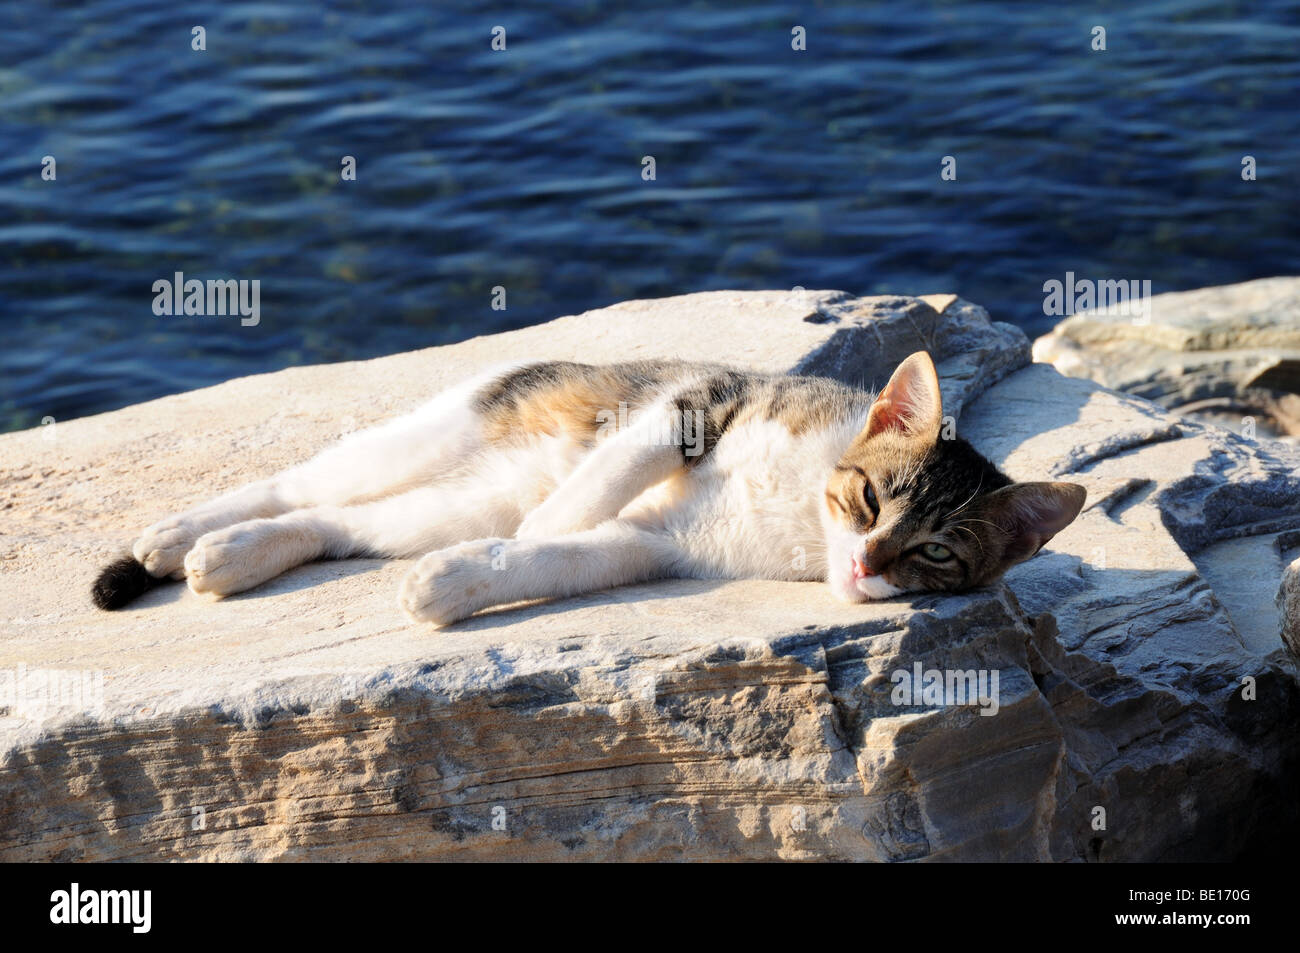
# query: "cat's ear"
x,y
1031,514
910,403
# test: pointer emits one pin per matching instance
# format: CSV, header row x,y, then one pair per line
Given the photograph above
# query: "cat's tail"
x,y
121,582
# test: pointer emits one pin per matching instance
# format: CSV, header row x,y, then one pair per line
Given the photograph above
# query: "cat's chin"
x,y
869,589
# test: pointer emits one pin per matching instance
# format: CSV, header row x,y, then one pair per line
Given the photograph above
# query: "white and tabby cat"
x,y
553,479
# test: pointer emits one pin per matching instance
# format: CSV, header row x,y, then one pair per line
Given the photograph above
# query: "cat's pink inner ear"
x,y
1032,513
910,403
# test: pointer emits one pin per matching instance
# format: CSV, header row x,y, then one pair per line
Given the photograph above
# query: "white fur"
x,y
540,517
841,545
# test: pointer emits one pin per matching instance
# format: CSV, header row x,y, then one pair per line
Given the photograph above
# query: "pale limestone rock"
x,y
1288,600
1225,354
308,719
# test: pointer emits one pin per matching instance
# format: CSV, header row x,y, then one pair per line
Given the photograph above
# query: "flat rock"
x,y
1230,354
1288,600
308,719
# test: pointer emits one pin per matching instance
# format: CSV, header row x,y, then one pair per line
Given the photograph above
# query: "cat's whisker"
x,y
978,486
975,536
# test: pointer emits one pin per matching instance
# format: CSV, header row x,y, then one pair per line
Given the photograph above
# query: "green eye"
x,y
937,553
869,494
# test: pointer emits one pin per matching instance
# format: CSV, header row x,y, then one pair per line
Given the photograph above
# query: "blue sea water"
x,y
522,168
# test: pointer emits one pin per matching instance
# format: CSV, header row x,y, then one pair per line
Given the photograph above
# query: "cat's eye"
x,y
936,552
869,494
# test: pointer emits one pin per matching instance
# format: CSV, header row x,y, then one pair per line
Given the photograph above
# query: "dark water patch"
x,y
522,169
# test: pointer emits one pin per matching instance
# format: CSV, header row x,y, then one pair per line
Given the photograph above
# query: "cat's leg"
x,y
453,583
612,475
161,548
241,556
420,447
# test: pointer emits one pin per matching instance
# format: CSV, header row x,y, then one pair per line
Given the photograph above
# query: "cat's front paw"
x,y
162,547
451,584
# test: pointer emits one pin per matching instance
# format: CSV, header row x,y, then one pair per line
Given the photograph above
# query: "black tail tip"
x,y
120,582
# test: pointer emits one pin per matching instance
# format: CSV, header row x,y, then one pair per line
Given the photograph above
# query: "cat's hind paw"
x,y
552,519
451,584
240,557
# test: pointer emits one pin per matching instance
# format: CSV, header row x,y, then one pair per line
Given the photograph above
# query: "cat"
x,y
550,479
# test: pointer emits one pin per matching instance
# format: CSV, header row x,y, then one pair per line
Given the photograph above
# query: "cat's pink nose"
x,y
861,569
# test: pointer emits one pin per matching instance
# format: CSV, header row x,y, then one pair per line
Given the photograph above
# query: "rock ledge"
x,y
686,720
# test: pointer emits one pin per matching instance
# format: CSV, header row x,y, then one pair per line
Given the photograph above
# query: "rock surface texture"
x,y
1145,704
1228,355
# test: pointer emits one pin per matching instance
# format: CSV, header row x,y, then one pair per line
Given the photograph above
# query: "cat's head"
x,y
907,510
